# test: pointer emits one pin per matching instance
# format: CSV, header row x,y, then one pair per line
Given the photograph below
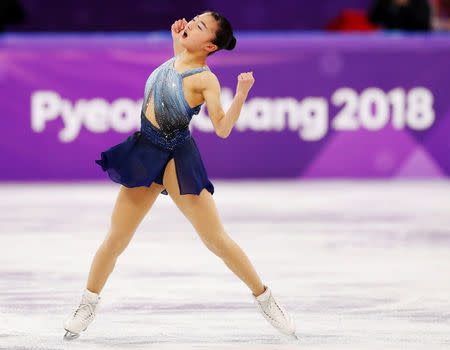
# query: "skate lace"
x,y
85,310
272,309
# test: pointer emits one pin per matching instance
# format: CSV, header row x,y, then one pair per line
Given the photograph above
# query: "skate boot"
x,y
274,313
79,320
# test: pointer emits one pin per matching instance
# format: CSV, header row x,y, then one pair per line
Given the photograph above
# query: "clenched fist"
x,y
177,28
245,82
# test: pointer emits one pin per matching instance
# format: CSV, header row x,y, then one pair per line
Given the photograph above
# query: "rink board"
x,y
361,106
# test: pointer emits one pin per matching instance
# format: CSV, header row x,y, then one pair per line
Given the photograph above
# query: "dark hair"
x,y
224,35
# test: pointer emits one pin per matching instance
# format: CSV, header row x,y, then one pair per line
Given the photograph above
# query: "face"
x,y
199,32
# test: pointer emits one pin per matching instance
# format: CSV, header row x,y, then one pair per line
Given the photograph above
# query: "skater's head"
x,y
208,32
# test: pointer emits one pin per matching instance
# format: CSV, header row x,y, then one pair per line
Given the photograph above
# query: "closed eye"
x,y
197,25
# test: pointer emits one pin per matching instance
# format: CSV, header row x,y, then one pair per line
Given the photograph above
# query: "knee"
x,y
114,246
221,245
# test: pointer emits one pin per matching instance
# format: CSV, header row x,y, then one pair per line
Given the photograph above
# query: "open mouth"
x,y
184,34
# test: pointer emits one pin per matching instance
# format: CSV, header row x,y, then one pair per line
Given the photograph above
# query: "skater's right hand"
x,y
245,83
177,27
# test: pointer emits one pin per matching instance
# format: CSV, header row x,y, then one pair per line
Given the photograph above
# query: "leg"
x,y
131,206
201,211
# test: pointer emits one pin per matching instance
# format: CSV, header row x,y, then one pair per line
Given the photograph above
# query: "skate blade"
x,y
294,336
71,336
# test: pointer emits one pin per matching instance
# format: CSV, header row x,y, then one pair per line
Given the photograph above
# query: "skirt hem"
x,y
209,187
136,162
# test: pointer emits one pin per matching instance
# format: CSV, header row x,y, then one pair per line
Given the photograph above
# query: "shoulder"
x,y
207,79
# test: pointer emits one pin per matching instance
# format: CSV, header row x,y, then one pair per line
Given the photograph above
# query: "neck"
x,y
193,58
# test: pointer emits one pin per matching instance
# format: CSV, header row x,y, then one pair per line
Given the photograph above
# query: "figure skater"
x,y
163,158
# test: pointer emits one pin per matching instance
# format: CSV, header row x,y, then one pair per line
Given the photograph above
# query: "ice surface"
x,y
360,264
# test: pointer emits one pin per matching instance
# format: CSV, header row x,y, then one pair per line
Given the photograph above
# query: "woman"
x,y
163,158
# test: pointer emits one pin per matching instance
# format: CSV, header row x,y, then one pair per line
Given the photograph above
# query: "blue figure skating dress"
x,y
142,157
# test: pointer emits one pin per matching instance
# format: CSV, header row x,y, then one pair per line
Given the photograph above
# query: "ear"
x,y
211,47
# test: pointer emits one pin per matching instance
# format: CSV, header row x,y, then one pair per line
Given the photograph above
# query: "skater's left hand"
x,y
245,83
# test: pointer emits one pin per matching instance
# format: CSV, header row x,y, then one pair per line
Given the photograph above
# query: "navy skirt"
x,y
142,157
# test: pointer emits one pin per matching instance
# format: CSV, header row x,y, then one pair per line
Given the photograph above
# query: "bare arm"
x,y
176,29
223,122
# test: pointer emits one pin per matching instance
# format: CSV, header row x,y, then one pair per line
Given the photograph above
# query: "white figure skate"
x,y
274,313
79,320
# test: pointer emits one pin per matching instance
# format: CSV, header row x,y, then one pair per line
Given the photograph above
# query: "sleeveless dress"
x,y
142,157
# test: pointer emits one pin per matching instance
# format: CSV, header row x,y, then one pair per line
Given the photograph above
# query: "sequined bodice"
x,y
165,84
